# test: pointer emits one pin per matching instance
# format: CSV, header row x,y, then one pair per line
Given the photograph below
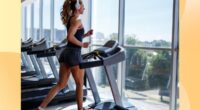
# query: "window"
x,y
149,22
104,20
46,20
60,29
148,74
36,30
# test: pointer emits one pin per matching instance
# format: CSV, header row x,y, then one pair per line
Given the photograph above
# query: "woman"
x,y
71,56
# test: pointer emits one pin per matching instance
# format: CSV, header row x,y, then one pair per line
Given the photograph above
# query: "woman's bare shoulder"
x,y
75,20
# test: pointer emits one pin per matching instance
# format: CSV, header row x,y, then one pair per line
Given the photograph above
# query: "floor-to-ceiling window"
x,y
105,25
147,39
104,20
36,29
149,22
60,29
46,19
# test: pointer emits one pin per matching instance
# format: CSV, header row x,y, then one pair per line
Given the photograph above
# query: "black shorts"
x,y
70,56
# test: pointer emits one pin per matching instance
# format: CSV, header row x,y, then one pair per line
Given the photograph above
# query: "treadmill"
x,y
38,94
41,80
24,63
111,53
29,67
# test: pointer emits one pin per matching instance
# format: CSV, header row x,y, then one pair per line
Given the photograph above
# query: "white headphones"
x,y
77,4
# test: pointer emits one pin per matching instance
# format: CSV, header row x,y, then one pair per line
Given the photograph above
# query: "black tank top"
x,y
79,35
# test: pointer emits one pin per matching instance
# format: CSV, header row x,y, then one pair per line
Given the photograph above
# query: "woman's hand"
x,y
85,44
89,33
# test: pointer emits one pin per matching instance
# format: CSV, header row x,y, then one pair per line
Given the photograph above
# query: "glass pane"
x,y
147,82
36,21
28,21
46,19
149,22
104,20
101,80
60,30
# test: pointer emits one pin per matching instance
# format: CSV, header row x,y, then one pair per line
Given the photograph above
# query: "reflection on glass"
x,y
60,29
46,19
36,21
104,20
147,81
149,22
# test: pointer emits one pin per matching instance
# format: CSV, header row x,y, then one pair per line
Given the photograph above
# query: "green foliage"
x,y
137,63
114,36
160,43
145,69
160,69
131,39
161,63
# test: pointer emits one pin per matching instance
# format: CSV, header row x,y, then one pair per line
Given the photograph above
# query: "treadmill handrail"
x,y
108,60
39,42
27,41
48,52
54,48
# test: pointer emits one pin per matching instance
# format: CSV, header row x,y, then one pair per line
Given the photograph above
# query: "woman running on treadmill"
x,y
71,56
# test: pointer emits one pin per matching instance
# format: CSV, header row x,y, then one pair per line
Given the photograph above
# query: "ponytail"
x,y
67,10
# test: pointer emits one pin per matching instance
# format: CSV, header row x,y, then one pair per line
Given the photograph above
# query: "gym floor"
x,y
140,101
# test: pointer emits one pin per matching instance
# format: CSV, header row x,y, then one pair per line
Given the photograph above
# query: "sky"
x,y
147,19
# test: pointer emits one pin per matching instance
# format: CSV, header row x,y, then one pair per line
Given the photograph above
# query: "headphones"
x,y
77,4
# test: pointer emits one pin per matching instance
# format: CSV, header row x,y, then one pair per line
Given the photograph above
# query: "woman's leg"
x,y
78,75
64,74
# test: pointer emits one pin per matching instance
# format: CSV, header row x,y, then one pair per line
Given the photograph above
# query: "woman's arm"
x,y
89,33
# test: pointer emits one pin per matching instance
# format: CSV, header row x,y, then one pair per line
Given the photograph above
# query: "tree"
x,y
160,71
161,63
114,36
160,43
131,39
156,72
